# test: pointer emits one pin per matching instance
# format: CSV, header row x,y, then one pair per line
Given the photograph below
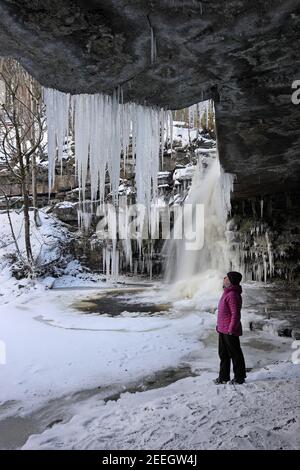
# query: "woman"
x,y
230,329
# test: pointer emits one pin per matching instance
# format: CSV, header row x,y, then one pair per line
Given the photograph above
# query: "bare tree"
x,y
22,127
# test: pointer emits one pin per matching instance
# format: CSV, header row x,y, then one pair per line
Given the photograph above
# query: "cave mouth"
x,y
194,133
154,151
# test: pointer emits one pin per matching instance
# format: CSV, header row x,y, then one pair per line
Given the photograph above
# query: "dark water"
x,y
15,430
118,301
158,379
91,287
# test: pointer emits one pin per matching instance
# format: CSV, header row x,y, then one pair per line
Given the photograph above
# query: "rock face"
x,y
244,55
264,237
66,211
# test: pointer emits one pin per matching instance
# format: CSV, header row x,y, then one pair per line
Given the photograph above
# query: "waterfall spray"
x,y
211,187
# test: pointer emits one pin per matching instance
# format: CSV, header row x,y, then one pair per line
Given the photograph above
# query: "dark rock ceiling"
x,y
243,54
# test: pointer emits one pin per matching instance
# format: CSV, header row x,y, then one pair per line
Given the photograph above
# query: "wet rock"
x,y
265,237
257,325
296,333
285,331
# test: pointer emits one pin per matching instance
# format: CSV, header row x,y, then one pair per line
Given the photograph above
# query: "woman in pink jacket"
x,y
230,329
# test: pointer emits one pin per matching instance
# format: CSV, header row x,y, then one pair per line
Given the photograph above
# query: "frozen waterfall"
x,y
104,129
210,188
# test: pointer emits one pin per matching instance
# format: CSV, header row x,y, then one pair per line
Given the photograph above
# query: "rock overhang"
x,y
242,54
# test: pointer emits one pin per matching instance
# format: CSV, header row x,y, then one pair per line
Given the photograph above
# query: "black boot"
x,y
218,381
237,381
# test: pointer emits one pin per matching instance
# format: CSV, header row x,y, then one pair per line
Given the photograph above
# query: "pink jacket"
x,y
229,311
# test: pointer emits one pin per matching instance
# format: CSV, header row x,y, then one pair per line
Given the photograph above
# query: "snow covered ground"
x,y
134,380
52,349
189,414
75,379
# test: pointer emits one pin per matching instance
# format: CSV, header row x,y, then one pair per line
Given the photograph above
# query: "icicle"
x,y
162,136
197,112
169,127
84,215
265,268
270,255
116,147
57,114
153,46
191,117
207,114
103,127
193,113
261,208
146,150
82,137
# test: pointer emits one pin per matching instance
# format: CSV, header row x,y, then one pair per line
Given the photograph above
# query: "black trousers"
x,y
230,349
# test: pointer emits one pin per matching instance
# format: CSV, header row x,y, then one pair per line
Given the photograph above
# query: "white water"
x,y
191,269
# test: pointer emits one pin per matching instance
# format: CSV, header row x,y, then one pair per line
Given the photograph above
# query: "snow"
x,y
66,205
89,373
46,240
185,133
184,173
189,414
75,276
123,189
63,351
179,124
62,360
200,150
184,136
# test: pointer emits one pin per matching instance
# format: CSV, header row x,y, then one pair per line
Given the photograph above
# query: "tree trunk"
x,y
25,194
26,220
11,224
37,219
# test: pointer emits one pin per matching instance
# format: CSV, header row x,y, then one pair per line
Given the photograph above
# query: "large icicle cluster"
x,y
251,248
103,129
